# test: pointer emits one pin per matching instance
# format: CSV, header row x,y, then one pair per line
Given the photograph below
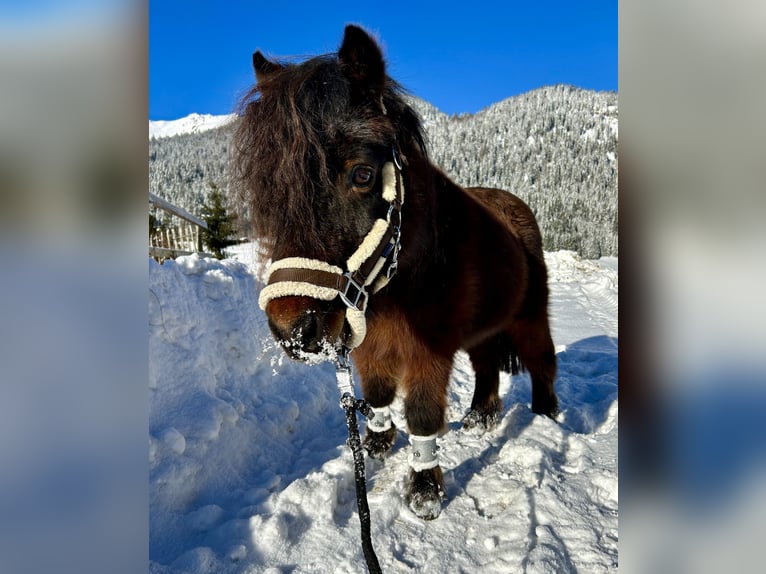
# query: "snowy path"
x,y
250,473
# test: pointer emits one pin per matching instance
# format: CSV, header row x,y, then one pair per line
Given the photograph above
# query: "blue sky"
x,y
460,57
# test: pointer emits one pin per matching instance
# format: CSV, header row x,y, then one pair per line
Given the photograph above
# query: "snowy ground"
x,y
249,471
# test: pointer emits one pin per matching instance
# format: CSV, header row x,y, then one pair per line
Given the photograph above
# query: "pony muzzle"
x,y
303,326
285,301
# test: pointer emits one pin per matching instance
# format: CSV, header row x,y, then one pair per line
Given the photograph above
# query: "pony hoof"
x,y
426,493
548,406
379,444
483,419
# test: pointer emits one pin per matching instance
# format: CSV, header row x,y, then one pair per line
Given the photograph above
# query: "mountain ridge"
x,y
192,123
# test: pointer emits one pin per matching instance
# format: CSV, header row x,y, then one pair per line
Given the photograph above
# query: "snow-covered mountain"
x,y
191,124
249,471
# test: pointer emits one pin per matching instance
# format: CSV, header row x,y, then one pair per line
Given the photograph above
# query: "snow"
x,y
249,470
614,126
193,123
590,134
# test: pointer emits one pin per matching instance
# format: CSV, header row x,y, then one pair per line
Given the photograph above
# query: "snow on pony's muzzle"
x,y
368,269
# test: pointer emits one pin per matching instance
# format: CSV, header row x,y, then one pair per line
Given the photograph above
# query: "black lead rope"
x,y
350,404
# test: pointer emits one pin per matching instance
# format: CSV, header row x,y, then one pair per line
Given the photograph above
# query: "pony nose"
x,y
301,326
302,335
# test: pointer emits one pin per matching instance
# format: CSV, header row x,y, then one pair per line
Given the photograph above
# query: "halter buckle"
x,y
391,271
352,293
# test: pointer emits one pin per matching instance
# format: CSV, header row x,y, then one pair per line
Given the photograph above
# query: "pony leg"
x,y
379,390
487,359
425,406
537,354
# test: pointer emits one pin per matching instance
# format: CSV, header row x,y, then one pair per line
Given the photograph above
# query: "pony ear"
x,y
362,63
263,67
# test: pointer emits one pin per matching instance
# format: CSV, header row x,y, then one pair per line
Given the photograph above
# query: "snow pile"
x,y
250,472
191,124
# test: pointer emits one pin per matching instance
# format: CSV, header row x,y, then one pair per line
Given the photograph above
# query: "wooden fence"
x,y
181,239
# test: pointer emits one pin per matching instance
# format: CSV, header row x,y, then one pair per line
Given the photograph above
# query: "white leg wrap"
x,y
381,422
423,454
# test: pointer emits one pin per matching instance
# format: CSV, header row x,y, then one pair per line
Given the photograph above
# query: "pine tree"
x,y
221,227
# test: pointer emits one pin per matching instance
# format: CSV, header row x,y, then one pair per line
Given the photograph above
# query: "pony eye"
x,y
362,176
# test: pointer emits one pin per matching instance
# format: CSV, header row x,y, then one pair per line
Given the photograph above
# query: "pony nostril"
x,y
308,332
279,332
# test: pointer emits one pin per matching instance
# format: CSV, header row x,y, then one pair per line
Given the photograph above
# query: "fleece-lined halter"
x,y
371,266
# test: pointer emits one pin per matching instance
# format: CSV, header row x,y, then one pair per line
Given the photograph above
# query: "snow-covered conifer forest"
x,y
555,147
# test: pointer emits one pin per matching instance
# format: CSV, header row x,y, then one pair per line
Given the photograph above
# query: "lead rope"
x,y
350,404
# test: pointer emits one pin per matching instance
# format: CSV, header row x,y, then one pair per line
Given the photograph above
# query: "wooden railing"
x,y
183,239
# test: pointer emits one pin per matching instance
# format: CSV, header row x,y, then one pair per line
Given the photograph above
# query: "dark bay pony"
x,y
374,248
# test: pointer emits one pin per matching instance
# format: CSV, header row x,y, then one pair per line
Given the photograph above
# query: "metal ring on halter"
x,y
397,160
397,209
